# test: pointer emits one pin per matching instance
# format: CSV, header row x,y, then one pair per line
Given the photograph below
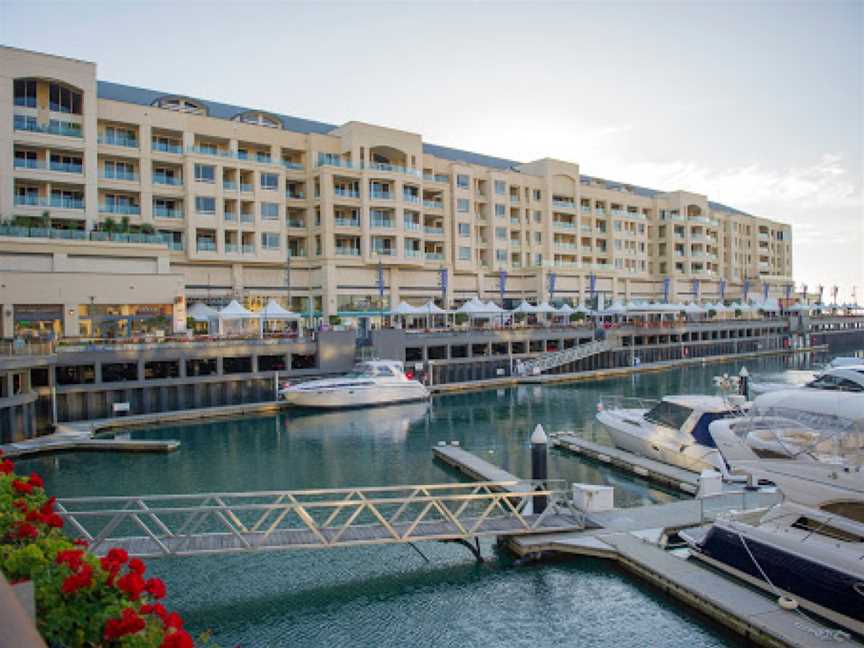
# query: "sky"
x,y
758,105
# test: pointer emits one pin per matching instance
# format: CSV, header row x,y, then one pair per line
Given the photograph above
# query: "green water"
x,y
387,596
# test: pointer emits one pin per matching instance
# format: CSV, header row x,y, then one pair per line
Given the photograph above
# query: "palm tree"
x,y
124,225
109,225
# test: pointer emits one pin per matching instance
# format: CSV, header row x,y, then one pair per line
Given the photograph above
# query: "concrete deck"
x,y
684,480
74,443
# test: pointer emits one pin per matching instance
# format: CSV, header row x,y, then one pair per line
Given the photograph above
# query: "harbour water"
x,y
385,596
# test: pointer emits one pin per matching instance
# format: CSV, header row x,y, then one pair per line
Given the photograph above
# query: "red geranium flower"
x,y
48,506
22,487
54,520
118,555
128,623
81,542
36,480
174,620
132,584
79,580
137,566
20,504
6,467
177,639
155,587
26,530
71,557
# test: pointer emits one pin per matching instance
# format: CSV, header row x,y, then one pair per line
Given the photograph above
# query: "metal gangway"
x,y
555,359
213,523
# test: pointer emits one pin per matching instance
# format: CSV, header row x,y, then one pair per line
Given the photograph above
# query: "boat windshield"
x,y
371,371
669,414
835,383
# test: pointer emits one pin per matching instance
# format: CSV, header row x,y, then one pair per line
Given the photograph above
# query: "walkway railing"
x,y
22,347
555,359
184,525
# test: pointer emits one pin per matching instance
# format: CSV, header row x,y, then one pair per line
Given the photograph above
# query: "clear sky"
x,y
757,105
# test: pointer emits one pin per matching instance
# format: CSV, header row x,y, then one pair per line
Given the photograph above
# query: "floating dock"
x,y
476,468
684,480
64,443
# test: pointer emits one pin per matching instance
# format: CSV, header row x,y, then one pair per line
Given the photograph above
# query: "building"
x,y
120,205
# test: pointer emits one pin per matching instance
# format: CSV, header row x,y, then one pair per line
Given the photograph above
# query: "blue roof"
x,y
144,97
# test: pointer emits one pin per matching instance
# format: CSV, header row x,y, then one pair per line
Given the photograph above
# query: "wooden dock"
x,y
60,443
684,480
474,467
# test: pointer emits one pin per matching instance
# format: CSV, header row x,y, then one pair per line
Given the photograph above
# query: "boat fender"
x,y
787,603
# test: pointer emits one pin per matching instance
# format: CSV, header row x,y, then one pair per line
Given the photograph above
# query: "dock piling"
x,y
539,464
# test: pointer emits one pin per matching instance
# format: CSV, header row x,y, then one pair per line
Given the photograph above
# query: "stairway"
x,y
555,359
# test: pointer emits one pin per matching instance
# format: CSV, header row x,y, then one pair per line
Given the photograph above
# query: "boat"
x,y
371,383
808,550
673,430
846,378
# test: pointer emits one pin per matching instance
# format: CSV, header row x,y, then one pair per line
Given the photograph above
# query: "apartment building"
x,y
120,205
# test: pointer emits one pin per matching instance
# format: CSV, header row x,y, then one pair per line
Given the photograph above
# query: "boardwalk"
x,y
185,525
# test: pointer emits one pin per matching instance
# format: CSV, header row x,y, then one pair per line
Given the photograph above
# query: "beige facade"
x,y
220,197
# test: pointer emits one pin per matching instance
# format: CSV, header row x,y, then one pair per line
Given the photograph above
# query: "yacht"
x,y
847,378
809,549
376,382
674,430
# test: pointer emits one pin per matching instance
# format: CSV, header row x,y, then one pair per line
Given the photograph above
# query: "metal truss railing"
x,y
557,358
181,525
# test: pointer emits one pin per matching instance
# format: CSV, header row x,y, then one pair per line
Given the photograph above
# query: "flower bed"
x,y
81,600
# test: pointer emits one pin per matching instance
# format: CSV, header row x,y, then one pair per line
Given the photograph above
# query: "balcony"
x,y
347,222
247,218
634,215
411,226
348,251
436,177
54,202
164,147
119,140
564,204
383,251
346,193
176,246
205,245
413,254
381,195
125,210
245,187
292,166
565,246
411,198
165,212
434,231
382,222
162,179
296,222
123,176
563,225
230,217
434,256
232,248
295,195
585,209
54,127
325,159
433,204
61,167
391,168
248,248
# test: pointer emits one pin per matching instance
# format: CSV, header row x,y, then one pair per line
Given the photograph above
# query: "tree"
x,y
124,225
147,228
46,219
109,225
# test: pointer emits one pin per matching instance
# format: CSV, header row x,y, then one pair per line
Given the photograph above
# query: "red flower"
x,y
132,584
157,608
22,487
20,504
174,620
79,580
48,507
81,542
155,588
36,480
26,530
54,520
177,639
128,623
137,566
71,557
118,555
6,467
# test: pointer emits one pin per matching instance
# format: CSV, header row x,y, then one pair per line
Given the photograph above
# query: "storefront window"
x,y
126,320
38,321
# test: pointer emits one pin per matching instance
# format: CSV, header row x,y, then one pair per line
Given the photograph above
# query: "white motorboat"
x,y
846,378
674,431
808,550
376,382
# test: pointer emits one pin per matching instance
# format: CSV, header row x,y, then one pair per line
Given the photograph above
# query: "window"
x,y
501,233
205,173
118,170
75,375
63,99
200,366
500,211
119,371
25,93
205,205
269,181
270,240
538,259
500,187
463,205
835,383
538,237
231,365
462,181
617,226
158,369
669,414
500,255
464,230
537,194
269,211
464,253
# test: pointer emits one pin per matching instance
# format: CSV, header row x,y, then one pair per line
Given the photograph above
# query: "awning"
x,y
201,312
273,310
235,311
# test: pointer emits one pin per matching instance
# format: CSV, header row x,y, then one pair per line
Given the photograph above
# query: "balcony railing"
x,y
563,225
381,195
292,166
228,185
434,231
347,222
382,222
54,127
80,235
230,217
336,162
346,193
62,167
167,180
247,218
295,222
433,204
113,208
433,256
564,204
436,177
392,168
165,212
176,246
232,248
384,251
164,147
55,202
411,226
245,187
205,245
119,175
585,209
119,140
348,251
295,195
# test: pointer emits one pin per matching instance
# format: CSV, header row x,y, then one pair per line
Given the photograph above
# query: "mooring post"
x,y
539,467
744,383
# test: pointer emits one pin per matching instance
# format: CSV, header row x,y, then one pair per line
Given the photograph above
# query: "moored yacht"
x,y
674,430
809,549
376,382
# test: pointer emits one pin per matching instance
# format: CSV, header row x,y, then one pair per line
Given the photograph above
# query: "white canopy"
x,y
273,310
492,307
431,308
525,307
798,308
404,308
770,305
545,307
566,309
616,308
693,309
235,311
581,308
719,307
477,307
201,312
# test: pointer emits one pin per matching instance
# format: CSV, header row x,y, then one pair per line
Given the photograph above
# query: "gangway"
x,y
212,523
555,359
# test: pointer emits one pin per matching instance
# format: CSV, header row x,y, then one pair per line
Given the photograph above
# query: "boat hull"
x,y
345,397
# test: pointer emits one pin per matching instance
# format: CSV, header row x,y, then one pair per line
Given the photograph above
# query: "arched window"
x,y
258,118
181,104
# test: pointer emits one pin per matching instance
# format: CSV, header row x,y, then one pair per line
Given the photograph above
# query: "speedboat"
x,y
674,430
846,378
808,550
376,382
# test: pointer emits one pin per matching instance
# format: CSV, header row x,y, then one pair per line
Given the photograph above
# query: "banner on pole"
x,y
502,284
666,282
552,279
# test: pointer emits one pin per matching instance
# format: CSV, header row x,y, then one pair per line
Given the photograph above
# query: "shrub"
x,y
81,600
577,317
460,318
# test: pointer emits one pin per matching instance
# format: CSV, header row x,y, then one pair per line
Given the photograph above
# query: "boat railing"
x,y
626,402
737,501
